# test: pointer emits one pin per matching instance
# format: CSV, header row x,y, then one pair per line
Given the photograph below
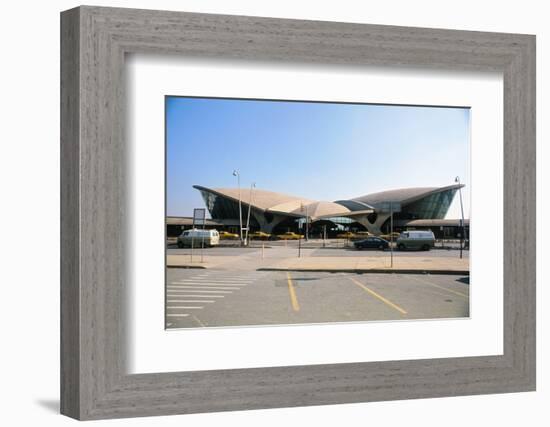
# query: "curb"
x,y
370,270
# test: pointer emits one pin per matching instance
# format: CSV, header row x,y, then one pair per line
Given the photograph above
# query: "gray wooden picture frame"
x,y
94,382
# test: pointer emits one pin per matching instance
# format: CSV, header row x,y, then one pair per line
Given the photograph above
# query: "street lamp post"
x,y
457,180
236,173
307,226
253,185
302,209
391,233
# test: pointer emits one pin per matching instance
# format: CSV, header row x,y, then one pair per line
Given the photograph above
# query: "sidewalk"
x,y
366,264
358,264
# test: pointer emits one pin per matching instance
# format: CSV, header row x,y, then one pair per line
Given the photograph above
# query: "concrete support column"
x,y
375,228
267,227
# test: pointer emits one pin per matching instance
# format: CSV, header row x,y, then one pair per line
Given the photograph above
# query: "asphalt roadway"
x,y
223,298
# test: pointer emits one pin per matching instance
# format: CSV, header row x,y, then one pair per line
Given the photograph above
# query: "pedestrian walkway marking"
x,y
184,307
205,287
198,282
206,292
190,300
198,296
427,282
224,288
380,297
292,293
215,279
208,284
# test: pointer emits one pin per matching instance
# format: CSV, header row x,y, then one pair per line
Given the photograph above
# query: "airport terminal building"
x,y
274,213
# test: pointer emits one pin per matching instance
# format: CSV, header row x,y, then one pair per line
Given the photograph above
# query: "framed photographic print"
x,y
261,213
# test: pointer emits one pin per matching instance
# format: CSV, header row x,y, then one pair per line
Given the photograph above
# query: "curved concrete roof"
x,y
296,206
323,210
281,203
261,199
403,195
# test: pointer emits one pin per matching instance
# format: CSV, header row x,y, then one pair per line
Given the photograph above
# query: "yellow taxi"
x,y
289,235
228,235
346,235
260,235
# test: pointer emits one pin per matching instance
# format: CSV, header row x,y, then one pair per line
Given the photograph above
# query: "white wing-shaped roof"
x,y
272,201
403,195
280,203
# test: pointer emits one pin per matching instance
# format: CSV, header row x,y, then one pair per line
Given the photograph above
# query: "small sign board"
x,y
199,216
388,207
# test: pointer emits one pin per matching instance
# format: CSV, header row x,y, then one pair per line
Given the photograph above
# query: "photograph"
x,y
282,212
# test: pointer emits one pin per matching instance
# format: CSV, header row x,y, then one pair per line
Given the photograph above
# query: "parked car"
x,y
228,235
372,243
196,238
416,239
260,235
290,235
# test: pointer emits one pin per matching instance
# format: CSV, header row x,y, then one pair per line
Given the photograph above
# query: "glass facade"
x,y
434,206
340,222
224,208
220,207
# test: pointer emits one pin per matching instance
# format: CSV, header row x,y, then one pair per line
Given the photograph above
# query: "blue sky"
x,y
323,151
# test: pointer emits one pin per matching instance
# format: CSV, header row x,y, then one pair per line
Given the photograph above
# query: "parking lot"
x,y
221,297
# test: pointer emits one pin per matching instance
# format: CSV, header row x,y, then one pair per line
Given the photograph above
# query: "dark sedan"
x,y
372,243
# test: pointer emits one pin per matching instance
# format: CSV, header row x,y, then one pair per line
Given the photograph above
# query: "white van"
x,y
197,238
416,239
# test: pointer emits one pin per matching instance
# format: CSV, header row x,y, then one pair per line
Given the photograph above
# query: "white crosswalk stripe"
x,y
196,291
201,291
183,287
247,279
199,296
184,307
206,284
190,300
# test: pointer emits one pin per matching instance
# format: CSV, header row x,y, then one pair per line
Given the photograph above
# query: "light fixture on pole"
x,y
253,185
236,173
307,225
457,180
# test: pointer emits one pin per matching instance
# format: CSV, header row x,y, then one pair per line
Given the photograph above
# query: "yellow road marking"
x,y
292,293
440,287
380,297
